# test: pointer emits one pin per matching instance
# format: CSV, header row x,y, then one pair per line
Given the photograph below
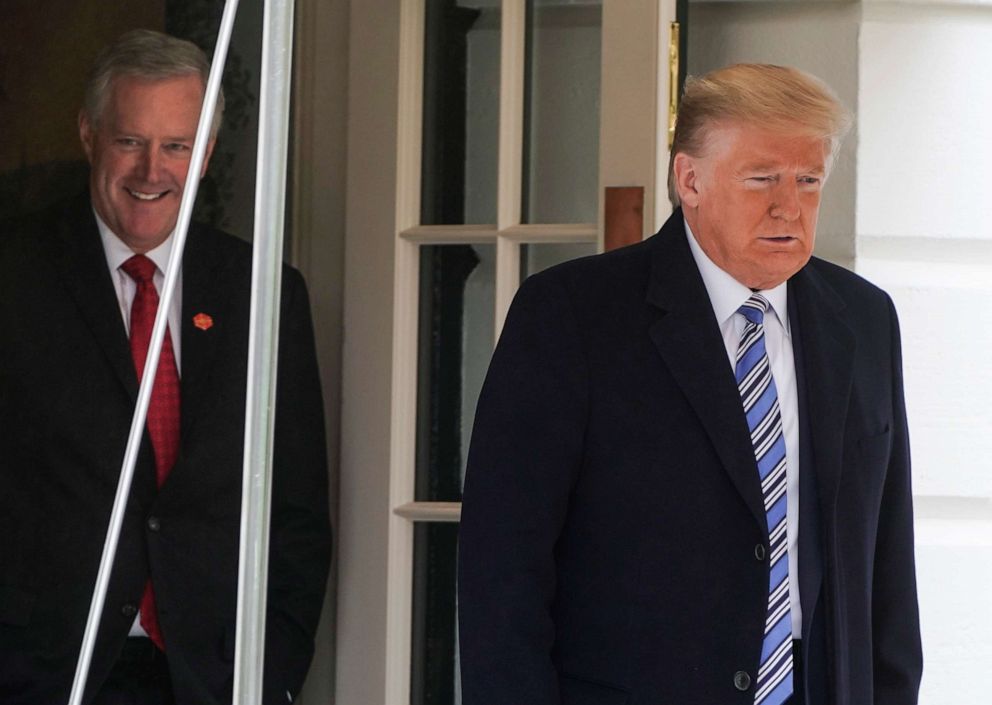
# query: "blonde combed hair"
x,y
773,97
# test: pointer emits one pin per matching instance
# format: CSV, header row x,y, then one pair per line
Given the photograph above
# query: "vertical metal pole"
x,y
155,347
263,338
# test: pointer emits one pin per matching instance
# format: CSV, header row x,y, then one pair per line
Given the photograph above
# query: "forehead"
x,y
742,145
136,98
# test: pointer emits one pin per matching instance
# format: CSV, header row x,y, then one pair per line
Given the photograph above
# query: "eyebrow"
x,y
767,166
122,132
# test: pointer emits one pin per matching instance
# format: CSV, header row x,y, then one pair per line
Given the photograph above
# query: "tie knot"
x,y
139,268
754,309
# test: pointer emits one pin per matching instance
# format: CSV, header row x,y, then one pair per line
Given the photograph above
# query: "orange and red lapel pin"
x,y
203,321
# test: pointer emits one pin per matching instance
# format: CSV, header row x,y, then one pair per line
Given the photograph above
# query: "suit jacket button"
x,y
759,551
154,524
742,681
129,610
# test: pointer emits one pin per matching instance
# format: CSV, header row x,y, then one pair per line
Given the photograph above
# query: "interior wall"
x,y
819,37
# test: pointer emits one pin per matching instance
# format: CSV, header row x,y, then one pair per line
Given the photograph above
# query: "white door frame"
x,y
377,512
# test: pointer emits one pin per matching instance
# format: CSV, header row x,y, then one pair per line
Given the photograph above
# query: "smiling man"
x,y
689,478
78,295
139,143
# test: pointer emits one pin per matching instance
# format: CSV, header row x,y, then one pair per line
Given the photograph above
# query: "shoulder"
x,y
864,305
30,242
230,246
596,281
22,230
850,286
207,241
217,247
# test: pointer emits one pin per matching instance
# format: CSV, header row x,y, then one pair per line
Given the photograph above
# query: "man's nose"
x,y
150,164
786,200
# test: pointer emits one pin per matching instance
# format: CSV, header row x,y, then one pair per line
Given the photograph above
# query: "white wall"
x,y
924,226
909,208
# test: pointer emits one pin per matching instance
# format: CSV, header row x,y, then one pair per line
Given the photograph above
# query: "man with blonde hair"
x,y
78,296
689,478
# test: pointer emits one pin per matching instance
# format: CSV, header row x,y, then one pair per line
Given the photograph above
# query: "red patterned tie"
x,y
163,412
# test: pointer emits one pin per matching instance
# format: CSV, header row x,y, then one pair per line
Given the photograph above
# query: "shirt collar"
x,y
727,294
117,252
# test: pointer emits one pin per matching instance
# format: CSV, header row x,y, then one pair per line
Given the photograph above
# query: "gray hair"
x,y
144,53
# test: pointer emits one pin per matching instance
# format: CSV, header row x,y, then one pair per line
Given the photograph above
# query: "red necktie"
x,y
163,412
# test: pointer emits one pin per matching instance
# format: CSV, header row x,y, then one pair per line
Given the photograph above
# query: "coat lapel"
x,y
688,339
82,266
828,357
206,295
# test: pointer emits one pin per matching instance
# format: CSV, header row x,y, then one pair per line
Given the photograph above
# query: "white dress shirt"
x,y
118,253
726,295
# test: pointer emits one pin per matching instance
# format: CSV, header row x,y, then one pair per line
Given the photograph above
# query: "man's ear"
x,y
686,170
206,156
87,135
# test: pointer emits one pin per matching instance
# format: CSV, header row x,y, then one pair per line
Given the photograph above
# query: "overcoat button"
x,y
154,524
129,610
759,551
742,681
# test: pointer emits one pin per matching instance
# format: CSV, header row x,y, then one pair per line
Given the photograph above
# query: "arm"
x,y
527,446
300,539
897,654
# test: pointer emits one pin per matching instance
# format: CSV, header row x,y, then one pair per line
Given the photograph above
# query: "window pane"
x,y
561,119
434,677
461,112
536,257
457,304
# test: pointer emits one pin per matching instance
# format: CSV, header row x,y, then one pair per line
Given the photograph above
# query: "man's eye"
x,y
809,180
127,141
177,147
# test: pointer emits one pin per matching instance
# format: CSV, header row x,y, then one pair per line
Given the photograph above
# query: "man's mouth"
x,y
145,196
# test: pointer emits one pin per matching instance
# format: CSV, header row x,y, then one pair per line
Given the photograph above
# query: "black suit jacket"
x,y
67,393
612,505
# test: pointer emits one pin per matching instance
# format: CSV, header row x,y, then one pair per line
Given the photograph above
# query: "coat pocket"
x,y
876,446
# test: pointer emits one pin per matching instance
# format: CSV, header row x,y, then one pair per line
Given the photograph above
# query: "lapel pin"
x,y
203,321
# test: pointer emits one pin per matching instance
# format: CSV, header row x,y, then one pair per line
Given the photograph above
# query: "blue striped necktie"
x,y
757,388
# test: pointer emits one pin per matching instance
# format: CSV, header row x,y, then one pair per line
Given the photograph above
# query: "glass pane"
x,y
457,305
434,677
461,112
561,119
535,257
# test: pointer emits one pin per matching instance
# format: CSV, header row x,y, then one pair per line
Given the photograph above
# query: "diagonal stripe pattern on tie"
x,y
757,387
